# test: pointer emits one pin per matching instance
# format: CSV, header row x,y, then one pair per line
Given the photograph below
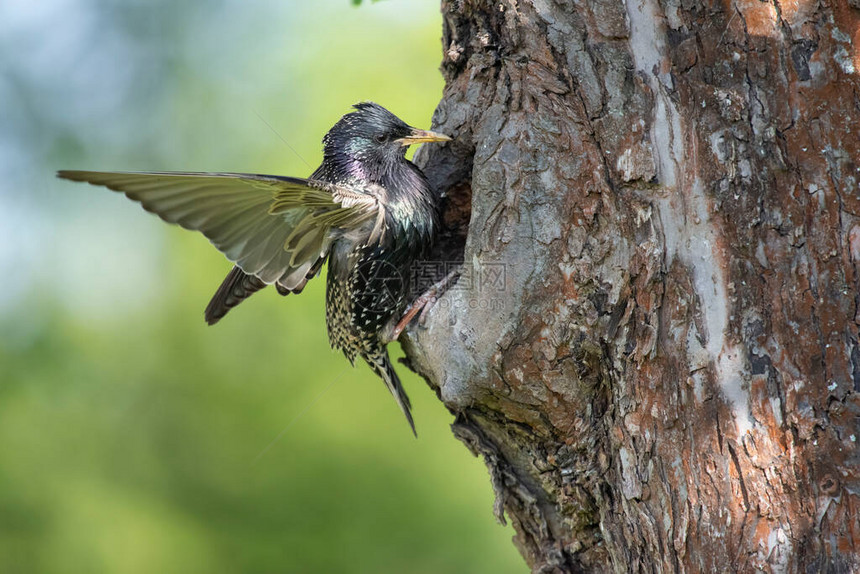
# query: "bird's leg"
x,y
423,304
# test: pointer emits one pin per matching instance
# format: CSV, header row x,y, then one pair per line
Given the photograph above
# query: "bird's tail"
x,y
381,365
235,288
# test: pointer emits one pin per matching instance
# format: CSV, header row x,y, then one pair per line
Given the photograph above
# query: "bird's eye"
x,y
381,138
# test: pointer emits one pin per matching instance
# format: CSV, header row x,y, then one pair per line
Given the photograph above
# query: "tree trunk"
x,y
654,339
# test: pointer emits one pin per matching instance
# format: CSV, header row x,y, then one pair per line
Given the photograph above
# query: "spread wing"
x,y
272,227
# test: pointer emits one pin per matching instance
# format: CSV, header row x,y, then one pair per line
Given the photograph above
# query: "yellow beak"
x,y
422,136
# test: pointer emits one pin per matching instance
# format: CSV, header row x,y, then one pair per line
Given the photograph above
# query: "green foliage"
x,y
132,433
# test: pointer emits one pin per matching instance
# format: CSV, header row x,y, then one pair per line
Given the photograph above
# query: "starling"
x,y
366,209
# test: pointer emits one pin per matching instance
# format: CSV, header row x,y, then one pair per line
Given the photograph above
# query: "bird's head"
x,y
374,137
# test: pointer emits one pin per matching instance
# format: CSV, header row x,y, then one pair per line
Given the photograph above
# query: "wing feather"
x,y
275,228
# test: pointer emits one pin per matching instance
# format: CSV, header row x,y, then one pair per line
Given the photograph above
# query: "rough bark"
x,y
667,375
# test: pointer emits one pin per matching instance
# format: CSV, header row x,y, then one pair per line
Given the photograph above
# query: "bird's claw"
x,y
425,311
423,305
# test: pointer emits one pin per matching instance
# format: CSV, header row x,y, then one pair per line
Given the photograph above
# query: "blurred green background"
x,y
131,434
